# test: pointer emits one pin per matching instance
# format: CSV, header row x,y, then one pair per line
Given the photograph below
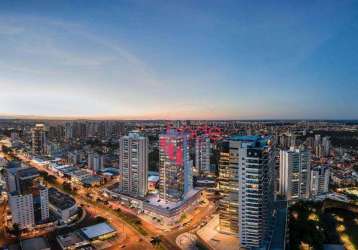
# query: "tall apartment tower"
x,y
28,199
246,183
39,139
22,210
256,190
320,180
202,154
175,170
133,164
229,187
294,176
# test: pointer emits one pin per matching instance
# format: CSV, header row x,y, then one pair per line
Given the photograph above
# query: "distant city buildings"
x,y
294,180
175,169
133,165
39,139
320,176
202,154
287,140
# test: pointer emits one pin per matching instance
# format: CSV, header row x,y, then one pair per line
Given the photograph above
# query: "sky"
x,y
179,59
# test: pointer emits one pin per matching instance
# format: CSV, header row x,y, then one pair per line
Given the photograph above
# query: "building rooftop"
x,y
60,200
97,230
80,173
153,178
113,171
69,169
154,200
32,244
91,179
70,239
27,172
252,140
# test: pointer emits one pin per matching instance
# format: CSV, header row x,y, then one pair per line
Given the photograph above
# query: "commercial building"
x,y
246,183
39,243
133,164
39,139
175,170
166,213
73,241
101,231
78,176
62,205
202,154
320,180
294,176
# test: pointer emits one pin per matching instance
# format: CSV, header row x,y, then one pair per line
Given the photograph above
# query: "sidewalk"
x,y
215,239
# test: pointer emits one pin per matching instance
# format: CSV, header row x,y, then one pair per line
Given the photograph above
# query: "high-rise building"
x,y
133,164
39,139
256,191
246,182
175,170
202,154
320,180
95,161
294,174
326,146
28,199
22,210
229,187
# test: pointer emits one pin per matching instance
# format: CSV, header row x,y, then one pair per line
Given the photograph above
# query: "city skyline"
x,y
179,60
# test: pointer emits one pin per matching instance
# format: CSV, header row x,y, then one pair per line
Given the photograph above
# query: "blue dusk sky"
x,y
180,59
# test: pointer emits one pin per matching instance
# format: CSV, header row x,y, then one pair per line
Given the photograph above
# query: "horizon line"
x,y
118,118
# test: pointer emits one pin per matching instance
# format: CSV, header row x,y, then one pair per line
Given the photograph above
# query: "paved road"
x,y
194,224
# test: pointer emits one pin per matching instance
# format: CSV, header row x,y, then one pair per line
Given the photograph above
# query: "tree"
x,y
67,186
355,167
155,241
17,231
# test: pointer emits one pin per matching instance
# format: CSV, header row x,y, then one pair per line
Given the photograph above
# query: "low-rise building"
x,y
72,241
38,243
101,231
62,205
